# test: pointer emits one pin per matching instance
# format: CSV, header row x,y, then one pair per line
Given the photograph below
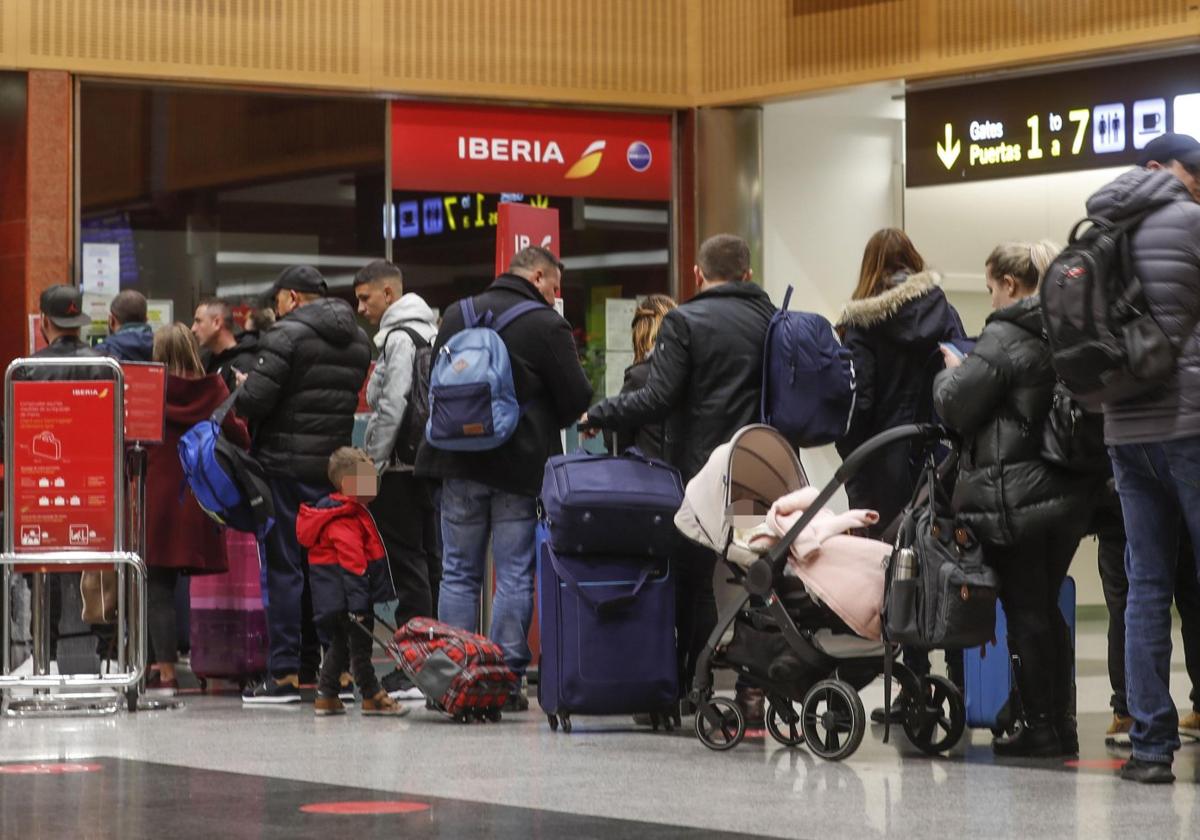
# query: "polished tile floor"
x,y
214,769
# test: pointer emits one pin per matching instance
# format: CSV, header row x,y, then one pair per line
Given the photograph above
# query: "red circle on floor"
x,y
43,768
398,806
1096,763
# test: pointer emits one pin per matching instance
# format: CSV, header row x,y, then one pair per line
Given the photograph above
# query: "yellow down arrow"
x,y
949,153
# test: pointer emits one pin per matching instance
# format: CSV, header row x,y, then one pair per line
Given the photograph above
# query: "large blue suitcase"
x,y
621,506
607,634
988,673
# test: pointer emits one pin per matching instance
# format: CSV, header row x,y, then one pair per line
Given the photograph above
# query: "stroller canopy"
x,y
737,486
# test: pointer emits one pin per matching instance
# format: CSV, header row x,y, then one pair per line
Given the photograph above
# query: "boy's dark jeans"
x,y
349,650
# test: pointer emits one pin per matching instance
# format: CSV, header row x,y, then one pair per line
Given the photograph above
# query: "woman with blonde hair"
x,y
180,537
1028,514
646,322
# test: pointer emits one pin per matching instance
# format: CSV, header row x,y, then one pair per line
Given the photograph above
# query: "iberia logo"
x,y
588,162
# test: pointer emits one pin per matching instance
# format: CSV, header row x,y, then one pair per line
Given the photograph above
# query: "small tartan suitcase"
x,y
461,674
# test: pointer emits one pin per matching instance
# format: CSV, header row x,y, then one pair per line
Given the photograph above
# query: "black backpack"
x,y
1105,344
1073,438
416,413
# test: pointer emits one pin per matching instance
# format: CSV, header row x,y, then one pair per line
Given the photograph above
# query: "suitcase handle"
x,y
603,607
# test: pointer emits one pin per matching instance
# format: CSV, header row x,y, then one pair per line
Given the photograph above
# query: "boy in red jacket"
x,y
348,573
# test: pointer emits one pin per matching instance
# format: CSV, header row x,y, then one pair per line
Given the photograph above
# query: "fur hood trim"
x,y
871,311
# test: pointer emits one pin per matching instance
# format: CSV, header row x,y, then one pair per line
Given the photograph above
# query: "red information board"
x,y
145,401
62,469
521,225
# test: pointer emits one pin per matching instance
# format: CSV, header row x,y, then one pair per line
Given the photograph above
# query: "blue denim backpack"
x,y
808,388
472,400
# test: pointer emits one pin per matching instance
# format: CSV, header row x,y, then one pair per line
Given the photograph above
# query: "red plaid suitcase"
x,y
461,674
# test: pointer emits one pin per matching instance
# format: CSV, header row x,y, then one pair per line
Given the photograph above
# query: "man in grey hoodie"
x,y
404,508
1154,438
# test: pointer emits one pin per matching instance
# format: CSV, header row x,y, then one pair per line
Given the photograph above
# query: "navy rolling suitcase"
x,y
988,672
607,636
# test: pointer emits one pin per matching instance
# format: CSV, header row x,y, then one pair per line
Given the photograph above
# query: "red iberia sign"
x,y
63,467
145,401
546,151
522,225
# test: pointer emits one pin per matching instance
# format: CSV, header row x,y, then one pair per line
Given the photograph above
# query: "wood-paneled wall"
x,y
666,53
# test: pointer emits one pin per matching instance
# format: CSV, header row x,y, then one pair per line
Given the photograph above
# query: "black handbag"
x,y
944,597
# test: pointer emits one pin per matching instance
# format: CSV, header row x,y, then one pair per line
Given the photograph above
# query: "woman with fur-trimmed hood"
x,y
893,325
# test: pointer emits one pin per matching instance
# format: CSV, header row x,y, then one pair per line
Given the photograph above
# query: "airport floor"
x,y
214,769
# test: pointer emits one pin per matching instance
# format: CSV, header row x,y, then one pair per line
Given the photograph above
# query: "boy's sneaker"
x,y
273,691
1147,772
382,705
346,688
328,706
1118,730
1189,726
400,687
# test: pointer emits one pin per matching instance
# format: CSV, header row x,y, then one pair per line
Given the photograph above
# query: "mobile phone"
x,y
946,345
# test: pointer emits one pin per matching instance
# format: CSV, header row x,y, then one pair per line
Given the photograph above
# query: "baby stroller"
x,y
805,658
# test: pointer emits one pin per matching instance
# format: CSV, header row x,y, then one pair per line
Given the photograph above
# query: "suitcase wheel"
x,y
493,715
565,720
553,721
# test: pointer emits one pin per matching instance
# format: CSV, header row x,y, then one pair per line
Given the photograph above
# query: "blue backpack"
x,y
808,387
228,484
472,400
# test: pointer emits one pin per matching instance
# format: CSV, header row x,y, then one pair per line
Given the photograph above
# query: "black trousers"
x,y
1031,575
1109,527
161,625
695,607
349,650
407,519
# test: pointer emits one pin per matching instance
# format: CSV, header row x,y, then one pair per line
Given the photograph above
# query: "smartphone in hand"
x,y
954,351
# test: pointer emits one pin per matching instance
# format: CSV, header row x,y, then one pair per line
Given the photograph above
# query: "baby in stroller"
x,y
807,629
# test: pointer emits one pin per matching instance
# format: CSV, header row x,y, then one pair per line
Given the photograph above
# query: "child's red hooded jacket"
x,y
347,563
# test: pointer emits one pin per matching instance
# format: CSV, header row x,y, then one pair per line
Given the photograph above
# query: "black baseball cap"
x,y
63,305
1168,147
300,278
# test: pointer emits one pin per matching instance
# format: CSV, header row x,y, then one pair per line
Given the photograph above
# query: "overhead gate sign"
x,y
63,469
543,151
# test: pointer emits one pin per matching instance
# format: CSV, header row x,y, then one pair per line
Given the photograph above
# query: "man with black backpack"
x,y
1154,434
300,400
398,394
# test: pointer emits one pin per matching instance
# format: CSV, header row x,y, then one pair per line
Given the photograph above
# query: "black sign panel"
x,y
1058,122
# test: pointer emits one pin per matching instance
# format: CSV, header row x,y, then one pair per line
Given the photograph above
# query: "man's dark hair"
x,y
378,270
533,257
215,304
129,307
724,257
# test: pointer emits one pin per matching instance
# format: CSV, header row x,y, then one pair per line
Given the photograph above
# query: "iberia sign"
x,y
548,151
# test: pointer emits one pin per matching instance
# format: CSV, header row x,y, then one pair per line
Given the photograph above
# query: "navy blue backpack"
x,y
229,485
808,387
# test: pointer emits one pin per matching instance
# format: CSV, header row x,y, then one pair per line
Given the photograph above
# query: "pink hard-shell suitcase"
x,y
229,625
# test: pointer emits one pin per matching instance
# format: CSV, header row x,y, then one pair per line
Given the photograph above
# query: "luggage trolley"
x,y
27,556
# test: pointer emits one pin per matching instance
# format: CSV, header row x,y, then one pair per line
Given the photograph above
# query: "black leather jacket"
x,y
705,378
998,400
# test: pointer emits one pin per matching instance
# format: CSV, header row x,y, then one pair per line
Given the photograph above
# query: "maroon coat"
x,y
179,535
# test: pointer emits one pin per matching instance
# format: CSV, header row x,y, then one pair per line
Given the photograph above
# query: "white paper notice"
x,y
615,363
618,315
101,268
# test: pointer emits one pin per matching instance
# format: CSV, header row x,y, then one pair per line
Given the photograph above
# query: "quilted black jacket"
x,y
998,400
1166,255
301,395
705,377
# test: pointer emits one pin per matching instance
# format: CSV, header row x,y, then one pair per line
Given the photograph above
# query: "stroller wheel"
x,y
833,720
783,723
935,721
720,724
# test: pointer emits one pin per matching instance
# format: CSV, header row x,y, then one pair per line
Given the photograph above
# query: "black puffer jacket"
x,y
242,356
550,384
1166,256
998,400
894,337
301,395
705,375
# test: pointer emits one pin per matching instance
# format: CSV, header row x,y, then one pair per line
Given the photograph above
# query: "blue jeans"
x,y
471,512
1159,485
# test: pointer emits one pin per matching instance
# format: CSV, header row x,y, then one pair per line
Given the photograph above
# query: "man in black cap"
x,y
62,319
300,397
1179,154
